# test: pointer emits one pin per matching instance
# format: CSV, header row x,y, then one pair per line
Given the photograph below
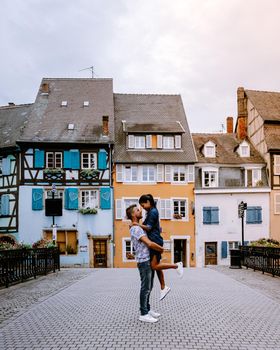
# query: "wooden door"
x,y
210,253
180,251
100,252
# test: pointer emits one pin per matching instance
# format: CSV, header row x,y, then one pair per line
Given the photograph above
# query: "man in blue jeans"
x,y
142,246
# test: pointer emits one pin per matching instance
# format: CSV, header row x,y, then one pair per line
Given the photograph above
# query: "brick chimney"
x,y
11,104
45,88
242,115
229,125
105,125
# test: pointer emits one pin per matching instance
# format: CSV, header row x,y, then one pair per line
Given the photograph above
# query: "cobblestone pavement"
x,y
18,298
205,310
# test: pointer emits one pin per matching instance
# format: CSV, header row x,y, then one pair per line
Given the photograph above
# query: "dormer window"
x,y
244,149
139,141
210,150
71,126
63,103
86,103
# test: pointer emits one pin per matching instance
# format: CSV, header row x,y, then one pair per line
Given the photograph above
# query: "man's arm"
x,y
151,245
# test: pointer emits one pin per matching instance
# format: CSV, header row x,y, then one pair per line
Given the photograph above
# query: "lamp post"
x,y
241,209
54,231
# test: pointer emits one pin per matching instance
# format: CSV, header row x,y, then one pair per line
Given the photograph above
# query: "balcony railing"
x,y
265,259
18,265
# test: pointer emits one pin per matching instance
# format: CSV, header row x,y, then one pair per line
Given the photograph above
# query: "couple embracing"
x,y
148,245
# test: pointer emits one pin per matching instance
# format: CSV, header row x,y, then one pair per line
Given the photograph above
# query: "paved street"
x,y
207,309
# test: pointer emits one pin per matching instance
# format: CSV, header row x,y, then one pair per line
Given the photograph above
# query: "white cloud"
x,y
200,49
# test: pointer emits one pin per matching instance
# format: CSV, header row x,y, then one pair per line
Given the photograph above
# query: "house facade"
x,y
154,154
259,120
65,190
229,171
12,119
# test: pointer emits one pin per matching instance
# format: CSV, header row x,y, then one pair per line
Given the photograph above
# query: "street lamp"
x,y
241,209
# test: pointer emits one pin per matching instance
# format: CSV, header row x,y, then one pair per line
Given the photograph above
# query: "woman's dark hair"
x,y
147,197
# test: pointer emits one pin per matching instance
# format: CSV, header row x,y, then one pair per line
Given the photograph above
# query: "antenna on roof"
x,y
222,128
91,69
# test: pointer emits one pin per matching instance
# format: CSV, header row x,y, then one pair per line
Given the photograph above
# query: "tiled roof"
x,y
226,149
49,121
13,120
157,110
266,103
272,136
154,128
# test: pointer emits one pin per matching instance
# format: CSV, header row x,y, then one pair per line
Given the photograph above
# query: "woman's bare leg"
x,y
158,267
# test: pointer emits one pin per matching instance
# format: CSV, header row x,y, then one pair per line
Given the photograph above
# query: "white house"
x,y
229,171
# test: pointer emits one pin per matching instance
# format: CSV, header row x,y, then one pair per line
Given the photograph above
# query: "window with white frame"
x,y
276,164
253,177
210,178
277,203
139,141
54,159
130,173
57,194
89,199
168,142
89,161
244,149
179,173
210,150
128,250
179,209
233,245
148,173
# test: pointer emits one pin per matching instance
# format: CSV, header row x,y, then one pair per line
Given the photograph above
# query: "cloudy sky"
x,y
201,49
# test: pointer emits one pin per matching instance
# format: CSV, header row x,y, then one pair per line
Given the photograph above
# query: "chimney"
x,y
229,125
45,88
11,104
242,115
105,126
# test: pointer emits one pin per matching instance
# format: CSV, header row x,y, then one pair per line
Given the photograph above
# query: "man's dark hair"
x,y
129,211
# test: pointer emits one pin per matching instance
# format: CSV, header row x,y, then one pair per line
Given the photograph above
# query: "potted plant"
x,y
86,211
177,216
90,173
53,171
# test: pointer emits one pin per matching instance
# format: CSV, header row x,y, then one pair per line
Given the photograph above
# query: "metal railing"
x,y
18,265
264,259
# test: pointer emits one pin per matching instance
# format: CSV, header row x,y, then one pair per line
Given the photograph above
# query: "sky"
x,y
201,49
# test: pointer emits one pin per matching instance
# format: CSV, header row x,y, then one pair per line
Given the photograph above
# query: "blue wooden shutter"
x,y
72,159
105,198
207,215
37,198
39,158
214,215
67,159
5,204
254,215
224,249
71,198
6,166
102,159
75,159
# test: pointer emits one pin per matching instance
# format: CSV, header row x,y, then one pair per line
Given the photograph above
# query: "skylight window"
x,y
86,103
63,103
71,126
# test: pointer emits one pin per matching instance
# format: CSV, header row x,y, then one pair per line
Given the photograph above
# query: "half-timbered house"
x,y
12,121
259,120
66,150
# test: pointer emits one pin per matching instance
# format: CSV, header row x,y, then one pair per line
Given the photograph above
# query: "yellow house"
x,y
154,154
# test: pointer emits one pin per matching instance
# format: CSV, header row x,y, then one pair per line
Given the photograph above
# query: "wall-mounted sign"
x,y
83,248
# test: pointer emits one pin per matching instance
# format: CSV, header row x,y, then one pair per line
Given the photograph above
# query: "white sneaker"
x,y
154,314
164,292
180,269
147,318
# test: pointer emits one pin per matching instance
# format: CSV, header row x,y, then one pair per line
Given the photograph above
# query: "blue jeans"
x,y
146,277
